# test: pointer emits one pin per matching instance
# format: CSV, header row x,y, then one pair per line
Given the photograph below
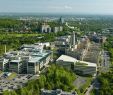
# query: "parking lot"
x,y
16,82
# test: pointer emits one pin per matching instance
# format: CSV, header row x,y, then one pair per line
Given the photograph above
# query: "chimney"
x,y
5,49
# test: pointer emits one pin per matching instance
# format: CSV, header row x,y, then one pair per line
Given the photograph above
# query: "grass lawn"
x,y
86,85
13,75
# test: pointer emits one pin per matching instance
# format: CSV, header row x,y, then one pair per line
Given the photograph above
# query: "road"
x,y
106,62
104,68
94,85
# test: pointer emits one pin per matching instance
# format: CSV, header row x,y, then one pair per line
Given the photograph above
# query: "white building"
x,y
30,59
77,65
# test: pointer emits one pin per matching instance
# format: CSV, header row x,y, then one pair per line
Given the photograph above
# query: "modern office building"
x,y
80,67
3,64
15,66
38,61
29,59
57,29
61,21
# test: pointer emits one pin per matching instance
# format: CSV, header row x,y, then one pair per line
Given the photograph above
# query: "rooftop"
x,y
30,54
66,58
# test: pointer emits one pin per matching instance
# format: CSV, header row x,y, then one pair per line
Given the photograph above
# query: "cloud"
x,y
67,7
61,7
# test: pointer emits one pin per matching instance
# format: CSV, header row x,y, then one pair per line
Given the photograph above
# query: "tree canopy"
x,y
55,78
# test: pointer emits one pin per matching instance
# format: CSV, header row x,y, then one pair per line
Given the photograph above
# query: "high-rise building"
x,y
73,40
45,28
61,21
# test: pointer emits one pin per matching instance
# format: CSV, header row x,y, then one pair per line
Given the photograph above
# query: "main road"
x,y
103,68
95,85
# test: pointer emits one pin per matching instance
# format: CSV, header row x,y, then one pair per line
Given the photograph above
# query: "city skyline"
x,y
57,6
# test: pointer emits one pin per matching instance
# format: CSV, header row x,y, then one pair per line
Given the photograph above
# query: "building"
x,y
57,29
80,67
98,38
28,60
44,45
56,92
62,43
15,66
78,48
61,21
3,64
66,61
73,41
45,28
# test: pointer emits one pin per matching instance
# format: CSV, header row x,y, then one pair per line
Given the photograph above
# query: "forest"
x,y
55,78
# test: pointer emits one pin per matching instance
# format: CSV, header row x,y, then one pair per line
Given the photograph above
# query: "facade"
x,y
78,48
3,64
57,29
15,66
97,38
28,60
62,43
45,28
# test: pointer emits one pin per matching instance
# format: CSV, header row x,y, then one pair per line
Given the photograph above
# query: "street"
x,y
106,62
94,85
103,68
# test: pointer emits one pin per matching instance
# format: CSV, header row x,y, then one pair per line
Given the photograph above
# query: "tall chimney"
x,y
73,39
5,48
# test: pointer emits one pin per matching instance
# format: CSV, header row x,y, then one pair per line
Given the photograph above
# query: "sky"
x,y
57,6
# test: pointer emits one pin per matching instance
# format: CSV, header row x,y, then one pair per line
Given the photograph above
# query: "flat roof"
x,y
16,61
36,57
31,55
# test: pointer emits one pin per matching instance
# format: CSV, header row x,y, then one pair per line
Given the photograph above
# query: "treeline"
x,y
14,41
55,78
14,25
109,47
106,81
93,25
9,23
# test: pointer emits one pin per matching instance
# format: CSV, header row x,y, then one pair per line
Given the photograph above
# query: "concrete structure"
x,y
82,67
45,28
3,64
98,38
15,66
56,92
61,21
73,40
30,60
57,29
78,48
62,43
45,44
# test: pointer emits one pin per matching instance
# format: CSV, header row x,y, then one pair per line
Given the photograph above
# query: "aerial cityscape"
x,y
56,47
